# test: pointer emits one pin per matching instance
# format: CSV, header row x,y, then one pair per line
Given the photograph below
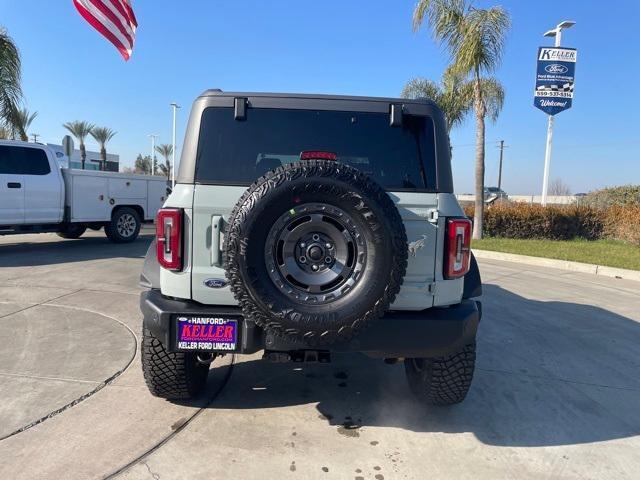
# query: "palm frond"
x,y
10,91
454,96
422,88
79,129
493,96
481,41
166,150
102,135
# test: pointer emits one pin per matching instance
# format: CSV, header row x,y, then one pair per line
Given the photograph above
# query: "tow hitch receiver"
x,y
298,356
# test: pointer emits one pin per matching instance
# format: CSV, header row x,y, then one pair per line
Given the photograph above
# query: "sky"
x,y
353,47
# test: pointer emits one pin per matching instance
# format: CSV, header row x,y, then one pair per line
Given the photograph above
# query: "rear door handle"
x,y
217,224
14,185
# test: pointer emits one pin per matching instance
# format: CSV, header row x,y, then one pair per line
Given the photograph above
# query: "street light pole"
x,y
557,33
175,107
153,137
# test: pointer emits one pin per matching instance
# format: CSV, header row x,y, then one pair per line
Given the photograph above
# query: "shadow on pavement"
x,y
15,252
549,373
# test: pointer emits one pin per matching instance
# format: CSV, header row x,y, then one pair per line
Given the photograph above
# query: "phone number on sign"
x,y
554,94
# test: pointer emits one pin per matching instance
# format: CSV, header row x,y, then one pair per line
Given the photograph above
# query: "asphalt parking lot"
x,y
556,392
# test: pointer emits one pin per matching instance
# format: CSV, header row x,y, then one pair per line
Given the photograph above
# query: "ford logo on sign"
x,y
556,68
215,283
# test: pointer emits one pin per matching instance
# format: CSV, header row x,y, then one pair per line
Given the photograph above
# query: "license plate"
x,y
206,333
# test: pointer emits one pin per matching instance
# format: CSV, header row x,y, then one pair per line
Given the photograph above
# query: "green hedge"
x,y
521,220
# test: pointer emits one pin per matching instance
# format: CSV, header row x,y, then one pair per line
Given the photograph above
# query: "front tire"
x,y
442,380
171,375
124,226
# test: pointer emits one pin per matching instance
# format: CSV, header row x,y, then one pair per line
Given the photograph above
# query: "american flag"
x,y
114,19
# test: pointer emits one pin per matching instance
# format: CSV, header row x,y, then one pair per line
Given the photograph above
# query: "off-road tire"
x,y
319,182
442,380
72,231
171,375
115,233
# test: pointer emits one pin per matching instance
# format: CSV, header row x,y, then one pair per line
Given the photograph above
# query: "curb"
x,y
561,264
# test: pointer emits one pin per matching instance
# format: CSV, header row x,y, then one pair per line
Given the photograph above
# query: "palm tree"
x,y
165,150
22,122
79,129
102,135
475,40
10,91
452,96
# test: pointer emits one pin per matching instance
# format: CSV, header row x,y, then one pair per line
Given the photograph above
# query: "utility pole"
x,y
501,147
175,107
557,33
153,137
35,137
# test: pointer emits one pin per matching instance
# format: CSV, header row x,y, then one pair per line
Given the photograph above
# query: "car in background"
x,y
491,194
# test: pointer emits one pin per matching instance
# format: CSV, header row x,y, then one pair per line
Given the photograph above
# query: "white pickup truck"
x,y
36,196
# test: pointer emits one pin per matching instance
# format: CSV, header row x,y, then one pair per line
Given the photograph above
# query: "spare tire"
x,y
315,251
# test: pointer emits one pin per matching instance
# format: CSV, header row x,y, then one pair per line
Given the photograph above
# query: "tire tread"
x,y
443,380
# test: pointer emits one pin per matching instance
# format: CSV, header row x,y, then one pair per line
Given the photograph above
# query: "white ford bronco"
x,y
302,225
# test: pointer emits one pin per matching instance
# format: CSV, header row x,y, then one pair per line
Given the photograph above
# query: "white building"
x,y
92,161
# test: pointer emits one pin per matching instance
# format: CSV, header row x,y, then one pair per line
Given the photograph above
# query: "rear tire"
x,y
442,380
72,231
171,375
124,226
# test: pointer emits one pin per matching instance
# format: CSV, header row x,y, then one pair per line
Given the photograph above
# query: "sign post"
x,y
67,147
554,90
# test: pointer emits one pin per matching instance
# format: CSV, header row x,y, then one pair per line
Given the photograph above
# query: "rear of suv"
x,y
302,225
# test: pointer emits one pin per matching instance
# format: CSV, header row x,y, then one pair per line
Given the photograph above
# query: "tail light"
x,y
317,155
457,248
169,238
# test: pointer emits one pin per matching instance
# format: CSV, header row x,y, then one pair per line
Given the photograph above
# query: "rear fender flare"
x,y
472,280
150,276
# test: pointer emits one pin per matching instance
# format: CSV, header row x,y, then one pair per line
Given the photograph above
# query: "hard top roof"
x,y
219,93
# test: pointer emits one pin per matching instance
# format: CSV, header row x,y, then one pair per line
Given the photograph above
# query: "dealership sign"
x,y
554,79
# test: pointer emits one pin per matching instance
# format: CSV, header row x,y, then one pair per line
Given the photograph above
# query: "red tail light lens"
x,y
169,238
457,248
318,155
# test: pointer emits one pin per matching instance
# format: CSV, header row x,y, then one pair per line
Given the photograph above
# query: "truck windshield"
x,y
238,152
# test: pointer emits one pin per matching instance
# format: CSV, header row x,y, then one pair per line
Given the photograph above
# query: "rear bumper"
x,y
427,333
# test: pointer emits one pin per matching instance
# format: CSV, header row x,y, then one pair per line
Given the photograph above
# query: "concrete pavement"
x,y
556,393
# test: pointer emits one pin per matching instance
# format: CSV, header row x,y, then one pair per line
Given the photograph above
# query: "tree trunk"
x,y
478,218
103,158
83,156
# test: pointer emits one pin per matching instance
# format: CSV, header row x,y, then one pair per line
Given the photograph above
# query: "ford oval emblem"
x,y
556,68
215,283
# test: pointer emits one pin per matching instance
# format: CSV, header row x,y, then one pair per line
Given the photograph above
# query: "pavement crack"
x,y
46,377
98,387
558,379
142,457
73,403
41,303
155,476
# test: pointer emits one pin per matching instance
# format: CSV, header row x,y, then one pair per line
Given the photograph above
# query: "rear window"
x,y
238,152
23,161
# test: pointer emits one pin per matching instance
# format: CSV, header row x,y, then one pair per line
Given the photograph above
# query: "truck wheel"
x,y
171,375
442,380
124,226
72,231
315,251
